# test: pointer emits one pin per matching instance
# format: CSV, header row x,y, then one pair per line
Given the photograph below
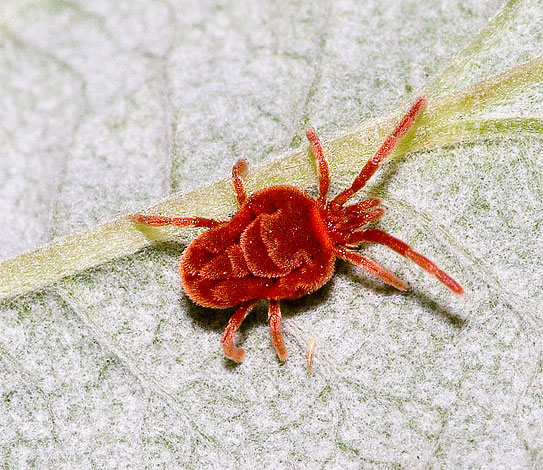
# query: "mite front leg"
x,y
230,350
372,267
274,318
160,221
358,220
378,236
383,152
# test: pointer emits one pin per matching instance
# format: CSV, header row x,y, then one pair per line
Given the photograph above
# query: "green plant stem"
x,y
451,119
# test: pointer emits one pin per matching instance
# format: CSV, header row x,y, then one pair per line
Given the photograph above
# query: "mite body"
x,y
282,244
276,247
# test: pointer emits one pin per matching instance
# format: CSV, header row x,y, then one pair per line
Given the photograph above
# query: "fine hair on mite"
x,y
282,244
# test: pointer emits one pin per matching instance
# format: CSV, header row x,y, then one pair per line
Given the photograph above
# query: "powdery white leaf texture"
x,y
107,107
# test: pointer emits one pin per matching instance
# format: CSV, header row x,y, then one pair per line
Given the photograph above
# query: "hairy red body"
x,y
282,244
275,247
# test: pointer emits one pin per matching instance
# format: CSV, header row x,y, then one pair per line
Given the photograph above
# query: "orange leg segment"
x,y
274,318
362,206
238,172
383,152
323,170
402,248
360,219
159,221
371,266
230,350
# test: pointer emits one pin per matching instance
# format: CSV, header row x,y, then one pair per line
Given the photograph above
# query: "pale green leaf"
x,y
109,107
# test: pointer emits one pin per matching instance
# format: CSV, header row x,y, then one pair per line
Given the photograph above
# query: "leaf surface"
x,y
108,108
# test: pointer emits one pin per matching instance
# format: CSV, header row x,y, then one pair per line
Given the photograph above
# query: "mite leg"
x,y
230,350
384,151
274,318
238,172
362,206
323,170
358,220
402,248
158,221
371,266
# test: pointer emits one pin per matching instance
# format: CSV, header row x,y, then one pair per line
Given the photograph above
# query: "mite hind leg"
x,y
231,351
276,330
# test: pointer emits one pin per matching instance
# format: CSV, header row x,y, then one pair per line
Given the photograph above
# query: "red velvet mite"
x,y
282,244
